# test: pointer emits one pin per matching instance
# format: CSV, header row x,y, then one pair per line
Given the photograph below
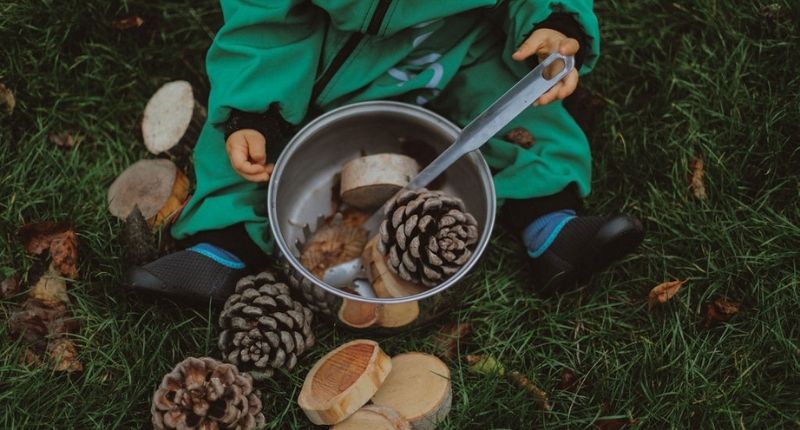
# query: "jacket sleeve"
x,y
525,15
263,61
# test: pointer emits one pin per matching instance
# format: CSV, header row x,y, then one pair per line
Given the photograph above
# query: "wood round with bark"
x,y
343,381
418,388
368,182
172,118
374,417
386,284
157,187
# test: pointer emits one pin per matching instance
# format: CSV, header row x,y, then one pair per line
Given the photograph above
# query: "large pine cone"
x,y
263,327
314,297
202,393
427,236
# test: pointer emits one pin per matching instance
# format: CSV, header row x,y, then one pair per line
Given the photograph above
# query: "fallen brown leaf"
x,y
36,237
65,355
50,289
127,23
697,184
539,395
63,139
448,338
719,310
64,251
9,286
521,136
59,238
7,98
568,381
33,320
662,293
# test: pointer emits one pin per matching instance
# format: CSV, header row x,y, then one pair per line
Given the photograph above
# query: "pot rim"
x,y
369,107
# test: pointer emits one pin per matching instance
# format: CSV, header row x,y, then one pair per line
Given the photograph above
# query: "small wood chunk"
x,y
157,187
386,284
374,417
370,181
418,389
358,314
172,118
343,381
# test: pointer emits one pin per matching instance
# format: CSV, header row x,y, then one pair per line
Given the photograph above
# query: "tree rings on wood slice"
x,y
172,117
343,381
374,417
157,187
386,284
368,182
418,388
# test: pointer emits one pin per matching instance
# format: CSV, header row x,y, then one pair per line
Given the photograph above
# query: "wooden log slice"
x,y
343,381
358,314
368,182
157,187
374,417
386,284
418,389
172,118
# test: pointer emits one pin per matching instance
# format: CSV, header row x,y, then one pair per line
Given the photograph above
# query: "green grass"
x,y
677,79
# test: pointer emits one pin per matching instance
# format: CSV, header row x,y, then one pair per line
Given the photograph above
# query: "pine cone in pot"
x,y
427,236
202,393
263,327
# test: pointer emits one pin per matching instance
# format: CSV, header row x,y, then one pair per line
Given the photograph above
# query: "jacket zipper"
x,y
350,46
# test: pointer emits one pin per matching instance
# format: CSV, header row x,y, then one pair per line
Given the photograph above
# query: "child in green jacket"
x,y
274,61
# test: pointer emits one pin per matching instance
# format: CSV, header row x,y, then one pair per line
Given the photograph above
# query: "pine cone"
x,y
427,236
314,297
202,393
263,327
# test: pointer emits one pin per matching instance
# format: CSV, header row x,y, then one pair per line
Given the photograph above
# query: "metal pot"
x,y
301,185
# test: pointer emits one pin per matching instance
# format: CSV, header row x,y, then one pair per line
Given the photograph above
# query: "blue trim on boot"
x,y
219,255
542,232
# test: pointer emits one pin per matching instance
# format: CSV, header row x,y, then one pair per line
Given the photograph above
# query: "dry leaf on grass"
x,y
50,289
719,310
539,395
64,139
59,238
662,293
485,365
568,381
697,184
447,340
9,286
64,354
127,23
7,99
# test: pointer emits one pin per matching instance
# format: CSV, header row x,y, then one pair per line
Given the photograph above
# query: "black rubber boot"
x,y
186,276
586,245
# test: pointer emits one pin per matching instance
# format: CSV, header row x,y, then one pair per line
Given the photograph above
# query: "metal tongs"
x,y
352,273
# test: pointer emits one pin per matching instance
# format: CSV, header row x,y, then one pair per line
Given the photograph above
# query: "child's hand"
x,y
247,149
543,42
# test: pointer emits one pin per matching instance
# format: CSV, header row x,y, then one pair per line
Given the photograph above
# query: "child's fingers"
x,y
529,47
239,161
258,177
570,83
569,46
257,149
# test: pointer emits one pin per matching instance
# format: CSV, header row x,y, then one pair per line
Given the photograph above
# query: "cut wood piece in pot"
x,y
172,118
368,182
386,284
358,314
157,187
418,388
374,417
343,381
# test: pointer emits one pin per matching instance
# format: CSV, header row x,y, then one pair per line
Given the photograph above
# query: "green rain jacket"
x,y
286,51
